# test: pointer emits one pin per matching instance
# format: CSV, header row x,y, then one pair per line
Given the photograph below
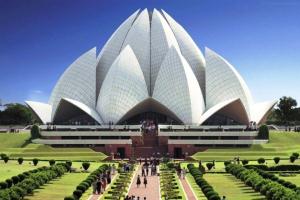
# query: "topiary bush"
x,y
261,161
15,179
35,161
276,160
263,132
209,166
245,162
296,155
20,161
3,185
85,165
35,132
292,159
6,159
77,194
51,162
69,198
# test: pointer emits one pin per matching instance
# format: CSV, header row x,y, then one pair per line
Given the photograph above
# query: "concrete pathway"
x,y
188,190
151,192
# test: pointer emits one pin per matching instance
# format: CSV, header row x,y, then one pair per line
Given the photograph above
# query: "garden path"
x,y
151,192
187,189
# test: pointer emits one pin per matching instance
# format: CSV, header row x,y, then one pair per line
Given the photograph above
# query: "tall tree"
x,y
15,114
286,109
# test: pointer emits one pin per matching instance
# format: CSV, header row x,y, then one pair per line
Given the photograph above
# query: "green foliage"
x,y
35,161
261,161
296,155
286,109
292,159
20,161
264,182
276,160
263,132
3,185
245,162
209,166
3,155
69,198
51,162
15,114
206,188
6,159
35,132
85,165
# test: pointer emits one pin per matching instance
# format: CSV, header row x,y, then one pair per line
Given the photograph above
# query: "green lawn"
x,y
12,168
227,185
61,187
17,145
281,144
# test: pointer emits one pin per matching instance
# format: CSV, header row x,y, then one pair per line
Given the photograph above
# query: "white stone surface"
x,y
223,82
260,110
42,110
189,50
123,87
138,38
177,88
77,82
112,49
162,38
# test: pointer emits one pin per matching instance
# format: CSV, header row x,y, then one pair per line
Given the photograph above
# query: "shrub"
x,y
19,191
6,159
3,185
263,132
227,163
35,132
9,182
15,179
35,161
51,162
245,162
276,160
209,166
69,163
296,155
2,155
69,198
261,161
292,159
77,194
20,161
85,165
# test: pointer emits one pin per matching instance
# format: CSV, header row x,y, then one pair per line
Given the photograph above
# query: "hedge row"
x,y
31,181
85,184
271,189
206,188
273,177
275,168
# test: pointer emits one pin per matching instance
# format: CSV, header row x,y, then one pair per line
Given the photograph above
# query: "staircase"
x,y
149,146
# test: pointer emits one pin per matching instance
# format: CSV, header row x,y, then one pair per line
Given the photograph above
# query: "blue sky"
x,y
39,39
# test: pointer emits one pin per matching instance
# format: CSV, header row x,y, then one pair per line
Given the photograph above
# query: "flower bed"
x,y
271,189
168,184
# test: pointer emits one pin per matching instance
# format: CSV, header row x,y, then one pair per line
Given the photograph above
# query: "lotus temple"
x,y
149,91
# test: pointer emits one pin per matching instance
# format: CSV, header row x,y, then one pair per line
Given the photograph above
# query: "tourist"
x,y
94,185
147,170
143,170
98,186
138,181
145,181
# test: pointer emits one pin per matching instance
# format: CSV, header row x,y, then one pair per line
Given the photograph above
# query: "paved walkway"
x,y
187,189
151,192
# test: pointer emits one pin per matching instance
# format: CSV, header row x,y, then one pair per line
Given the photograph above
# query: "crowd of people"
x,y
148,126
102,180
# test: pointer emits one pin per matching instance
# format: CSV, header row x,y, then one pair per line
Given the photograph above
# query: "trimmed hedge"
x,y
206,188
85,184
24,184
270,188
275,168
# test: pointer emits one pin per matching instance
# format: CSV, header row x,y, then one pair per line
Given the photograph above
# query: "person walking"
x,y
143,170
145,181
138,181
147,170
98,186
94,186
